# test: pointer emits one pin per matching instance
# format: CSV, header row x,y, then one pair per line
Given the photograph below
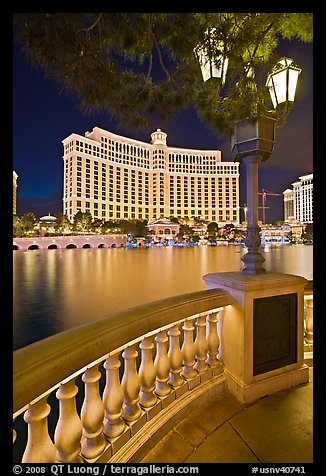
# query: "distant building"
x,y
14,202
116,177
200,229
295,227
288,199
298,202
274,234
48,220
163,229
47,224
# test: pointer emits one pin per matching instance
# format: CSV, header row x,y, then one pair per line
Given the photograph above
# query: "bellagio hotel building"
x,y
116,177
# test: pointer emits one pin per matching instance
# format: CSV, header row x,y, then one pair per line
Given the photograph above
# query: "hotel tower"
x,y
116,177
298,202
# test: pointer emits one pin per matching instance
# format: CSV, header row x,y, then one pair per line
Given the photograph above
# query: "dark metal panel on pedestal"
x,y
274,332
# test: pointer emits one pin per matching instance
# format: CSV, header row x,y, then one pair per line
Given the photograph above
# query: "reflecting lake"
x,y
54,290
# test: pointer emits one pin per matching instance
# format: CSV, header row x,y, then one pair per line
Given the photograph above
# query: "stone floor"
x,y
275,429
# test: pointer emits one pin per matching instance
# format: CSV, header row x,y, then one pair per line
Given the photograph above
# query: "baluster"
x,y
68,431
213,340
92,414
40,447
113,398
201,344
162,365
147,374
188,350
175,357
131,385
14,433
309,321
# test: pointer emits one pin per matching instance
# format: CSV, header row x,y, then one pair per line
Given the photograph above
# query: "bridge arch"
x,y
53,246
34,247
102,245
71,245
87,245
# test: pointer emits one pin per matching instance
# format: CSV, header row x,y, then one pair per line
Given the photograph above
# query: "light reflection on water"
x,y
292,259
55,290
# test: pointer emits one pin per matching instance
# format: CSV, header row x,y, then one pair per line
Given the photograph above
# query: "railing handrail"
x,y
41,366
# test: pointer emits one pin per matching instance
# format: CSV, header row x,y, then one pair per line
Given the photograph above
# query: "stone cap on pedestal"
x,y
245,282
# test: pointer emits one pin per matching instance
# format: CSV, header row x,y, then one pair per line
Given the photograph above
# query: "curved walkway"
x,y
275,429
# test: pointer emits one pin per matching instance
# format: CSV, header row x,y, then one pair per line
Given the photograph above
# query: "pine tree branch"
x,y
149,71
264,33
92,25
167,74
150,48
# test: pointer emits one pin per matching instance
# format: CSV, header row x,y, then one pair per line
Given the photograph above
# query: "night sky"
x,y
43,116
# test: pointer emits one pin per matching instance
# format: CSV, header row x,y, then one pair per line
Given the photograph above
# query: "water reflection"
x,y
292,259
37,297
58,289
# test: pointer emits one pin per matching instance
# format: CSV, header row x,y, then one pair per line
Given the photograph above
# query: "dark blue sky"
x,y
43,116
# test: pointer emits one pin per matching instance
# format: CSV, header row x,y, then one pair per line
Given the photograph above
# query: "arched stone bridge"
x,y
76,241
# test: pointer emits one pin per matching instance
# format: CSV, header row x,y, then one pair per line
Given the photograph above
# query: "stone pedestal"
x,y
262,342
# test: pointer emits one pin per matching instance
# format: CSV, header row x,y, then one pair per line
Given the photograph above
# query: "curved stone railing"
x,y
109,390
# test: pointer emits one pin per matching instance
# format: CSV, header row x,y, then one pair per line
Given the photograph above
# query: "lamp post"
x,y
265,325
253,141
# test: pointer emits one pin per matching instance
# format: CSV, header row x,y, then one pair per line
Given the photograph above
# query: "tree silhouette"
x,y
135,65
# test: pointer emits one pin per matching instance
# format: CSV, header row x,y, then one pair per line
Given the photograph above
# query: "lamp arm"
x,y
281,113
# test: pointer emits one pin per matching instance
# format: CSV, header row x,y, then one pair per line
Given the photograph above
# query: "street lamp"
x,y
253,138
282,82
252,142
212,65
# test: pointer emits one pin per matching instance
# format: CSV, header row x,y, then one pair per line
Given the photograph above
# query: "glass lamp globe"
x,y
212,67
282,81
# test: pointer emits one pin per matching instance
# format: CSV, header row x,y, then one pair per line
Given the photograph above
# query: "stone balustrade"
x,y
108,391
111,389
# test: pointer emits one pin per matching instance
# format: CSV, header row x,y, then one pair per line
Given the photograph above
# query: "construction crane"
x,y
264,193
